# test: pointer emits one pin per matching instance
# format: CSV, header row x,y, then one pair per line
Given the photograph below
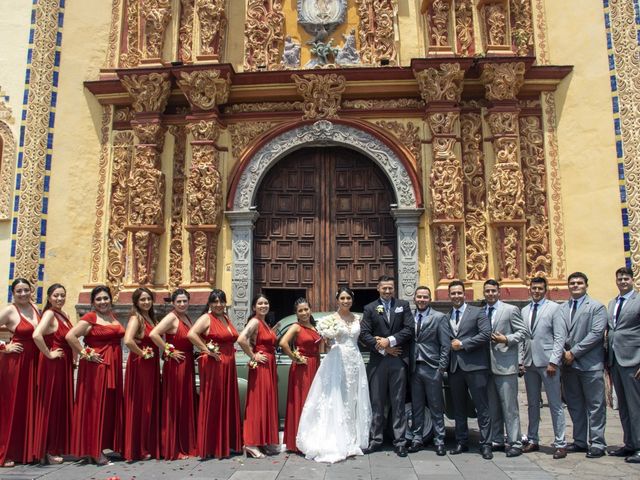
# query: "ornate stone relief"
x,y
376,30
381,104
185,31
150,92
205,89
7,159
443,84
263,34
502,81
177,200
438,15
465,37
540,36
146,24
244,134
495,16
264,107
522,27
321,93
212,27
409,135
114,30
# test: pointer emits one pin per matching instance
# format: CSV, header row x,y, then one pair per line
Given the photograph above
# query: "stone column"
x,y
407,220
145,220
241,223
438,19
502,82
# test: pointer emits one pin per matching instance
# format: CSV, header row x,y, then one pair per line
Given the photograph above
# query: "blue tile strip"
x,y
615,106
49,153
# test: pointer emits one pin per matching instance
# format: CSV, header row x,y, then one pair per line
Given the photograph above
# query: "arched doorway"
x,y
324,220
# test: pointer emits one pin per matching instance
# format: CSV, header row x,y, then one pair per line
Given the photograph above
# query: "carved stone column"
x,y
145,220
407,221
438,19
241,223
502,82
145,25
441,89
376,31
263,34
210,29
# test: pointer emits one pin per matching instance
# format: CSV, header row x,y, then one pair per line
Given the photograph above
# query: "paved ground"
x,y
383,465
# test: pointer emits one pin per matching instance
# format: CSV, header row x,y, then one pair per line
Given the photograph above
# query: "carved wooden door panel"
x,y
324,221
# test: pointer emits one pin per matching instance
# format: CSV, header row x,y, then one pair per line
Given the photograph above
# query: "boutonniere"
x,y
380,309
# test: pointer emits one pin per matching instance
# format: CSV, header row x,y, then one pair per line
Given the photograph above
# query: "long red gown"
x,y
54,400
18,374
261,412
142,402
219,413
300,379
98,409
179,399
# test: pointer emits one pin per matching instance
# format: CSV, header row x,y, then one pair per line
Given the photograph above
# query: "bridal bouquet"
x,y
88,353
328,327
147,353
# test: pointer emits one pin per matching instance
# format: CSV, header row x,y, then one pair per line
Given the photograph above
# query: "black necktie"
x,y
491,309
534,314
574,307
457,317
618,309
419,325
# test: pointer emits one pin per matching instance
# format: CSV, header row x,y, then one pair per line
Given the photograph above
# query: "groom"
x,y
387,330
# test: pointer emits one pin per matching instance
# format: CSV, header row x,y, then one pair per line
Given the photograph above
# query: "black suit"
x,y
469,370
387,375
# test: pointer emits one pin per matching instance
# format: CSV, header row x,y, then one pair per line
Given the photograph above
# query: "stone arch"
x,y
242,214
7,169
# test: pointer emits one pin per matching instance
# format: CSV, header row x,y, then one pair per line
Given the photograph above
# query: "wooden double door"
x,y
324,221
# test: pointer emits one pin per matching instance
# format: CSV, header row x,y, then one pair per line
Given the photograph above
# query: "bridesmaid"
x,y
305,360
142,382
18,371
54,400
98,409
219,413
261,423
179,399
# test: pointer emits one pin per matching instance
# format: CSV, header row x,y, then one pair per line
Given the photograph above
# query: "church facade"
x,y
293,146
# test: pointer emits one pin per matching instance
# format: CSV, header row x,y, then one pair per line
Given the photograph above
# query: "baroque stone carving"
x,y
447,250
150,92
290,54
114,30
205,89
263,33
522,27
407,238
7,159
380,104
155,16
506,184
131,51
177,201
264,107
212,27
511,253
409,135
185,31
245,133
348,54
464,28
495,17
438,20
376,31
321,93
540,37
443,84
502,81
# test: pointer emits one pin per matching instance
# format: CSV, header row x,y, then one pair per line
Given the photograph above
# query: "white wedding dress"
x,y
336,416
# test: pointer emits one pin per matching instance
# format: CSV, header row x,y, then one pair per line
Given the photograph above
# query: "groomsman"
x,y
583,372
387,329
469,368
541,357
624,361
507,332
429,361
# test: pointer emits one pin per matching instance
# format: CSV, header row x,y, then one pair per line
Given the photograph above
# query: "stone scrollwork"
x,y
409,135
322,94
177,202
185,31
511,253
496,23
502,81
443,84
464,27
446,238
376,30
438,21
506,196
376,103
7,160
522,31
205,89
263,34
245,133
150,92
212,22
155,18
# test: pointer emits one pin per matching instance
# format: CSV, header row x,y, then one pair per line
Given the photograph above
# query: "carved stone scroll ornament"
x,y
465,44
447,250
522,26
212,23
185,31
7,167
376,29
506,184
502,81
322,94
438,15
150,92
263,34
510,253
409,135
205,89
442,84
245,133
130,51
155,16
495,16
177,202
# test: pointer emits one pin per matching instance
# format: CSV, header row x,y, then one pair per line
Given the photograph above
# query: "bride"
x,y
336,417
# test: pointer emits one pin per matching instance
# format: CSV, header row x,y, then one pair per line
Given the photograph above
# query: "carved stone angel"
x,y
348,54
291,53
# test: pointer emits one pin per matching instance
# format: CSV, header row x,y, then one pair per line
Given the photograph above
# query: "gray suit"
x,y
503,381
624,361
545,346
583,381
429,360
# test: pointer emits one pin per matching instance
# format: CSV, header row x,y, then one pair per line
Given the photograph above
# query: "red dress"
x,y
18,373
219,413
98,409
300,379
179,399
54,400
261,412
142,402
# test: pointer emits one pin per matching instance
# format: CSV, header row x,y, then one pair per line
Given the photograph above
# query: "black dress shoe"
x,y
621,452
595,452
373,447
440,450
401,451
635,458
415,447
573,448
513,452
486,452
460,448
496,447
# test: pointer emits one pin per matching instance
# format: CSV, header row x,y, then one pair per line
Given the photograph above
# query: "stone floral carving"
x,y
522,26
464,27
447,250
511,252
177,201
114,33
7,159
264,107
502,81
506,184
212,27
443,84
155,18
382,104
245,133
438,20
409,135
131,51
205,89
376,31
321,93
185,31
263,34
496,23
150,92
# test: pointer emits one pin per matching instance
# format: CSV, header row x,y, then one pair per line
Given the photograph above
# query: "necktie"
x,y
387,308
534,314
574,307
618,309
419,324
457,317
491,309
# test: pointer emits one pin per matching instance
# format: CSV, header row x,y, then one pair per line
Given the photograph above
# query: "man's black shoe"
x,y
635,458
415,447
440,450
496,447
374,447
486,452
621,452
401,451
573,448
460,448
595,452
513,452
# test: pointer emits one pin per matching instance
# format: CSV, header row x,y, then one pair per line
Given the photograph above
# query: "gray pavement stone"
x,y
437,467
255,475
386,473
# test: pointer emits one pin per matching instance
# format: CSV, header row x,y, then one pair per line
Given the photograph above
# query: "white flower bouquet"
x,y
329,327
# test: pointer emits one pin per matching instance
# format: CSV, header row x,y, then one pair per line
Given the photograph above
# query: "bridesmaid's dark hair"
x,y
254,302
100,289
18,281
346,290
50,290
179,291
216,294
135,298
302,301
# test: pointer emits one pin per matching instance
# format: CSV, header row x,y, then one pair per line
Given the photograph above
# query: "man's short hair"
x,y
539,280
386,278
578,275
422,287
491,281
456,283
624,271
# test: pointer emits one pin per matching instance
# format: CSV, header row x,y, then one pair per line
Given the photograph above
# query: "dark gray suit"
x,y
469,370
387,375
624,362
429,360
583,381
545,346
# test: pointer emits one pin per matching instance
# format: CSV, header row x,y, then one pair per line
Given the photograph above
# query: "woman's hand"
x,y
13,347
54,354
